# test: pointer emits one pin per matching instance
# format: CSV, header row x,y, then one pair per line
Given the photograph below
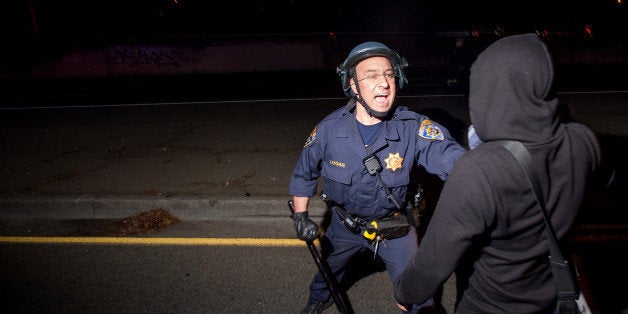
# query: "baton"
x,y
326,272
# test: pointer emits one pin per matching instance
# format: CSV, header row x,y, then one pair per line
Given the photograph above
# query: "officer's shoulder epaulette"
x,y
340,113
403,113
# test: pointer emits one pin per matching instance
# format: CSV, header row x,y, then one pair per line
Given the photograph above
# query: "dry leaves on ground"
x,y
144,222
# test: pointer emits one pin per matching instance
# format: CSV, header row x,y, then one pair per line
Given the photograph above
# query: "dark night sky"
x,y
93,19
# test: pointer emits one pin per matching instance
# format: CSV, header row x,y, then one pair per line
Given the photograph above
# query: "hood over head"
x,y
510,91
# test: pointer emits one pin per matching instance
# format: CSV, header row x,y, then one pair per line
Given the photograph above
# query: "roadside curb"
x,y
184,207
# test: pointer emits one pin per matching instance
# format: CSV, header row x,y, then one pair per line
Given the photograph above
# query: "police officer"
x,y
365,152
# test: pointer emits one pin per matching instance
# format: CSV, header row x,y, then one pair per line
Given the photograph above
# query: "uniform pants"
x,y
339,245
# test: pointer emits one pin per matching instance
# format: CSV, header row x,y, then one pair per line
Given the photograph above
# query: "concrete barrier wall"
x,y
234,56
164,60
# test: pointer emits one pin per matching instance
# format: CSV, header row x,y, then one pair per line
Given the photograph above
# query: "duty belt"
x,y
391,227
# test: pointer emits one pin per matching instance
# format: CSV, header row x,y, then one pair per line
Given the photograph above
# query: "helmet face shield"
x,y
366,50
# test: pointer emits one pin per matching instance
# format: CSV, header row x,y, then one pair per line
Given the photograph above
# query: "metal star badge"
x,y
393,162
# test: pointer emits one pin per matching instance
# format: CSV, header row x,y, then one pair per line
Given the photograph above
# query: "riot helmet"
x,y
365,50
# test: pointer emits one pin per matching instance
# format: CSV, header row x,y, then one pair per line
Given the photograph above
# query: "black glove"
x,y
306,229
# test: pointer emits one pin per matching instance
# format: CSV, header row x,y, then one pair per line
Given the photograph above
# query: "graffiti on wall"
x,y
133,57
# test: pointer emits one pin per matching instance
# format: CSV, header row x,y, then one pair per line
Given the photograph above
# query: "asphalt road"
x,y
97,277
257,268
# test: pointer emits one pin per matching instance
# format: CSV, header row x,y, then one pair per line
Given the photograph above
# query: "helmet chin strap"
x,y
369,110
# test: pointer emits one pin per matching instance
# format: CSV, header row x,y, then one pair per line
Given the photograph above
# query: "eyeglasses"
x,y
374,79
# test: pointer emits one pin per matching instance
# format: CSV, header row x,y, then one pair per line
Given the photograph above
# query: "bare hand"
x,y
401,307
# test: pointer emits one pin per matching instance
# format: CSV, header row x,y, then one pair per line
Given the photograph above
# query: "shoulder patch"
x,y
430,131
310,139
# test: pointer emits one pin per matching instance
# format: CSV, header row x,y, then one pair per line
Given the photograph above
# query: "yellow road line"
x,y
158,241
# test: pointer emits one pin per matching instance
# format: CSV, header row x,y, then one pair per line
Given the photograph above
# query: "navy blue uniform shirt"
x,y
335,151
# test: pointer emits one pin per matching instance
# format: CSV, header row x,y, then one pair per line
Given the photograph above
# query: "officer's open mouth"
x,y
381,98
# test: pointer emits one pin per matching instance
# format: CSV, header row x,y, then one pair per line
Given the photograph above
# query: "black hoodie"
x,y
487,225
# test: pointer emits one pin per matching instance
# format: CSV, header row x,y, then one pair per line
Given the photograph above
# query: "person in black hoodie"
x,y
487,226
